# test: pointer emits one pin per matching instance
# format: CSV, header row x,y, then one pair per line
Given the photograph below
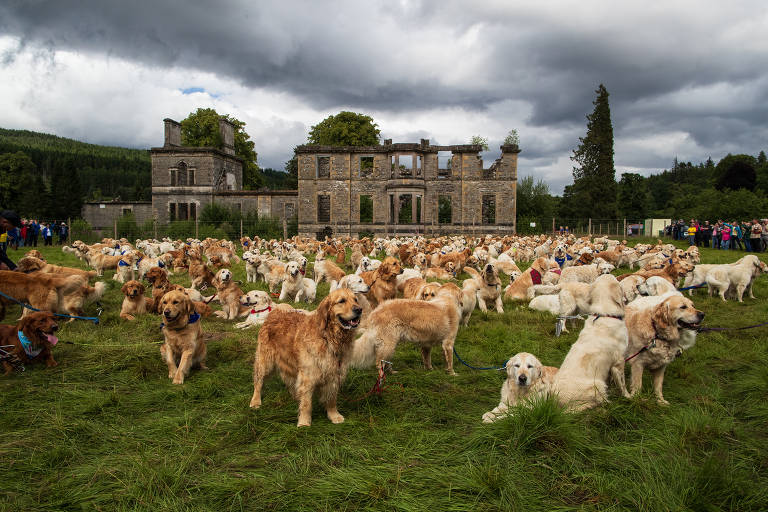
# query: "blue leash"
x,y
93,319
477,367
691,287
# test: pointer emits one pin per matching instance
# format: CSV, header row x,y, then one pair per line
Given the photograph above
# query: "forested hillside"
x,y
65,172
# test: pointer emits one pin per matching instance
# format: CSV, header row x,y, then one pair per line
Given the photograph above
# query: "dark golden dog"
x,y
383,281
38,337
311,352
134,303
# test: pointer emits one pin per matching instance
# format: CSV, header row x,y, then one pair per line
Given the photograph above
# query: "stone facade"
x,y
408,186
185,179
102,216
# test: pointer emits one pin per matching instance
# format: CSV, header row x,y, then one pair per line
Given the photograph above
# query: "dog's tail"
x,y
474,273
95,292
543,289
364,350
718,279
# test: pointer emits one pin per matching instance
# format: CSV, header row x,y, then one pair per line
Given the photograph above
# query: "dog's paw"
x,y
663,402
255,403
489,417
179,378
336,418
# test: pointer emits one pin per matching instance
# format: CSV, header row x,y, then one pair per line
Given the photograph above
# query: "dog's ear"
x,y
323,313
142,289
124,288
663,322
190,306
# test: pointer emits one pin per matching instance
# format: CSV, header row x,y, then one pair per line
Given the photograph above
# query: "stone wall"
x,y
102,216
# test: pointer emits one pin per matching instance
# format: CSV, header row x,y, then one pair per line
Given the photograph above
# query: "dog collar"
x,y
303,272
600,315
28,348
193,318
160,264
268,309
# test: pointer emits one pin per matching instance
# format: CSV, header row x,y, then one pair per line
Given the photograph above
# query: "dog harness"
x,y
30,351
561,261
535,276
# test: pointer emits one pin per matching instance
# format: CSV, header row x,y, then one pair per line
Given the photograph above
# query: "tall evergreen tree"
x,y
594,177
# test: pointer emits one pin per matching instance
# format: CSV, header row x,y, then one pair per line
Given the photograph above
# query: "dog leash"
x,y
478,367
93,319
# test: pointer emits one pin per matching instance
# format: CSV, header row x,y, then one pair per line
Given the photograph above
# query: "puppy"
x,y
260,304
134,303
31,339
184,344
311,351
526,376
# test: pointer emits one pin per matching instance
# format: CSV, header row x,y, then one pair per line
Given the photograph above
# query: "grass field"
x,y
106,429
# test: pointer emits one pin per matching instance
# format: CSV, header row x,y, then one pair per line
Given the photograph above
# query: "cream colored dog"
x,y
261,305
296,287
598,353
526,377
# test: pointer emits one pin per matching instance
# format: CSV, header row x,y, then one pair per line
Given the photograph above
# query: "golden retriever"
x,y
260,304
29,264
37,338
488,287
311,351
42,291
526,376
184,346
425,323
518,289
660,328
598,353
735,278
296,287
228,293
383,281
134,303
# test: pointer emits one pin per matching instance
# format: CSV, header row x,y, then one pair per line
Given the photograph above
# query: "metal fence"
x,y
580,227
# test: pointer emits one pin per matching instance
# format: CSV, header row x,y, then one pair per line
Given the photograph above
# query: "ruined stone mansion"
x,y
384,190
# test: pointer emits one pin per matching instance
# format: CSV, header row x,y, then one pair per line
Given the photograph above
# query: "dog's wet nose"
x,y
167,313
357,310
522,379
700,315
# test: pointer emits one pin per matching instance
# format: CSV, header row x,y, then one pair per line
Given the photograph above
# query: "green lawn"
x,y
106,429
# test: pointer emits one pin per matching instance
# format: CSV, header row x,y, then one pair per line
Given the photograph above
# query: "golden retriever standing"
x,y
660,328
425,323
383,281
526,376
184,344
311,351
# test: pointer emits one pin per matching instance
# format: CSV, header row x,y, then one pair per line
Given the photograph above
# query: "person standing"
x,y
9,222
764,236
716,235
755,234
736,236
35,231
63,232
46,230
692,233
725,235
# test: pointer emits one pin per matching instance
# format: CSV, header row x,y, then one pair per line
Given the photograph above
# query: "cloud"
x,y
685,79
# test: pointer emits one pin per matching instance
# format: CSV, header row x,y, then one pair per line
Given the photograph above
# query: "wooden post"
x,y
553,225
115,222
285,228
241,227
197,230
154,226
589,232
625,228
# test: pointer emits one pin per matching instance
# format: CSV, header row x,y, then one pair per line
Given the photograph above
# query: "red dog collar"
x,y
268,308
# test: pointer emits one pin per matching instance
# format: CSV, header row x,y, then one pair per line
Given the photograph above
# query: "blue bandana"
x,y
161,264
245,243
194,317
31,352
121,263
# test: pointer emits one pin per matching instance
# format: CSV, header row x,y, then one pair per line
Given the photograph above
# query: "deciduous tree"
x,y
345,129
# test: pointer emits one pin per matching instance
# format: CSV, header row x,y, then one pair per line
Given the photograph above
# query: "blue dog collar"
x,y
30,351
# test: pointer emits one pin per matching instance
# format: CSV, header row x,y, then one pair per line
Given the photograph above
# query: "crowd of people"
x,y
751,236
16,232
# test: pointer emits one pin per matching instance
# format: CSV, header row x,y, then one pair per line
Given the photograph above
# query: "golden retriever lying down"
x,y
526,376
660,328
598,353
184,344
425,323
311,351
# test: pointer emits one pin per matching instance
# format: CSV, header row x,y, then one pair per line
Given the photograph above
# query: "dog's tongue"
x,y
52,339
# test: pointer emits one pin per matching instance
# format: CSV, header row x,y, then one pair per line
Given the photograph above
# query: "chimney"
x,y
227,130
172,132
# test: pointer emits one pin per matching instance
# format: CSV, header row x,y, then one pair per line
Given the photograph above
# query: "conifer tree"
x,y
594,178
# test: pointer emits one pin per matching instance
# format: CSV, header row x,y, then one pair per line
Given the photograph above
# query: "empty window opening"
x,y
323,167
444,159
366,209
323,208
405,210
489,209
366,166
444,210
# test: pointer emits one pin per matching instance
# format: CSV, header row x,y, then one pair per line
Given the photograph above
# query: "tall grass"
x,y
106,430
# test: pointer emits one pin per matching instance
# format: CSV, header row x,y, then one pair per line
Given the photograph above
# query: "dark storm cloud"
x,y
680,67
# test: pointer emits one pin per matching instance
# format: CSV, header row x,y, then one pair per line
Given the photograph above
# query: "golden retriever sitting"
x,y
134,303
488,287
518,289
444,273
598,353
30,340
383,281
228,294
425,323
526,376
660,328
311,351
296,287
184,344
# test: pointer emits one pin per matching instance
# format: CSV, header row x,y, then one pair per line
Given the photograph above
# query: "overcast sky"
x,y
686,78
